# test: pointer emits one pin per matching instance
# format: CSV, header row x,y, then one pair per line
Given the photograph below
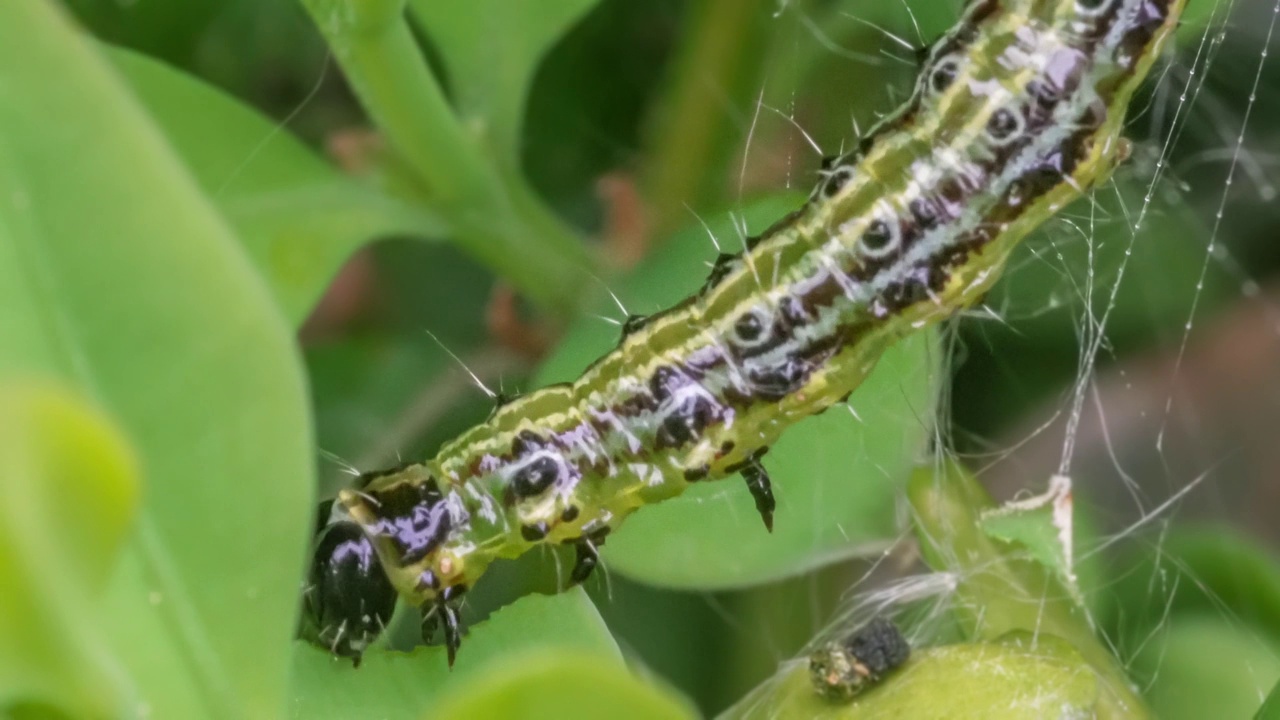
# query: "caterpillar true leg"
x,y
587,549
443,612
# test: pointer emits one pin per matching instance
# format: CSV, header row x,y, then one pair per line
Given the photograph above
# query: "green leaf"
x,y
1051,275
1270,709
299,218
835,477
1044,527
405,685
491,50
1201,615
1198,570
120,279
562,685
1206,666
1034,530
1016,677
1002,588
70,485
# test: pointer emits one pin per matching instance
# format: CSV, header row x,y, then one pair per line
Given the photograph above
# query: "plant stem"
x,y
718,60
1000,589
496,216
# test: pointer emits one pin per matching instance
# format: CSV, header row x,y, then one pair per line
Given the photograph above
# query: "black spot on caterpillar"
x,y
1018,112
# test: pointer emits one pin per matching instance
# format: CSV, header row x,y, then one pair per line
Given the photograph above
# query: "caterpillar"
x,y
1018,111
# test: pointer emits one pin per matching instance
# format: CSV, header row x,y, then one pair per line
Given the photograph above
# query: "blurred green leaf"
x,y
1197,16
71,489
491,50
562,685
406,685
299,218
836,476
169,30
1270,709
384,399
362,385
119,278
1076,261
1060,282
1016,677
1206,666
1196,570
1200,613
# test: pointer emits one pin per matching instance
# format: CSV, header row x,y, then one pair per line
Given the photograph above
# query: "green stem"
x,y
1001,589
496,216
719,58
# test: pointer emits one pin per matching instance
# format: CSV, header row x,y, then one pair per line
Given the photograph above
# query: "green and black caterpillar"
x,y
1018,111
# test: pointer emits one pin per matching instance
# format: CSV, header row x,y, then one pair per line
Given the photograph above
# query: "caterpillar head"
x,y
348,599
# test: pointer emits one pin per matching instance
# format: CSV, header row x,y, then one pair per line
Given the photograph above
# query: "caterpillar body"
x,y
1018,111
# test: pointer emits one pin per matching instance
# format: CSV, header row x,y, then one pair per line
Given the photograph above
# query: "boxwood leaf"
x,y
119,279
298,216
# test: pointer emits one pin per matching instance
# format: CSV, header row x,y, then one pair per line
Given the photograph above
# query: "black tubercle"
x,y
877,236
348,599
500,401
634,323
1002,124
719,270
836,179
686,411
535,476
536,465
534,532
749,326
694,474
942,75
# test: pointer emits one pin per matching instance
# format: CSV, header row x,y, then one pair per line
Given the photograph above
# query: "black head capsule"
x,y
348,599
